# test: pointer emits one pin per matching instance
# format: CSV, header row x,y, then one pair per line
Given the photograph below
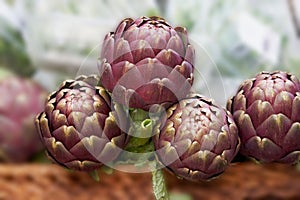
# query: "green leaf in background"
x,y
4,72
13,53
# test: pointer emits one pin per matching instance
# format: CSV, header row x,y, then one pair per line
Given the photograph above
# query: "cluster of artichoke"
x,y
147,66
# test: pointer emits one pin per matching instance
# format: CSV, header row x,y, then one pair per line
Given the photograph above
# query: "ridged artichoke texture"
x,y
80,126
21,99
266,110
145,62
196,139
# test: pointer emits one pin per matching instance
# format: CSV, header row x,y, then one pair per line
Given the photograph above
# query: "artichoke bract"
x,y
197,139
266,110
79,127
21,100
146,62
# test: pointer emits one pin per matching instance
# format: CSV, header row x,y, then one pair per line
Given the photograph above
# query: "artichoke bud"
x,y
146,62
266,110
196,139
21,99
80,127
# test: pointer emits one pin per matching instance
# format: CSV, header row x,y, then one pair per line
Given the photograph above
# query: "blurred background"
x,y
54,40
46,42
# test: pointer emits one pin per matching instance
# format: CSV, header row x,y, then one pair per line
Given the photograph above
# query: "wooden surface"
x,y
247,181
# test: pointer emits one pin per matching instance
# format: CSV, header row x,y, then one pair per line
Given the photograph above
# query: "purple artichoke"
x,y
197,139
79,127
266,110
147,62
21,99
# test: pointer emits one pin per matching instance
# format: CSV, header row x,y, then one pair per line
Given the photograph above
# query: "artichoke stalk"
x,y
266,110
80,128
146,62
196,139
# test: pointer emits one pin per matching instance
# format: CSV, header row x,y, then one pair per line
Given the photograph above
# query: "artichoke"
x,y
266,110
196,139
146,62
21,99
79,127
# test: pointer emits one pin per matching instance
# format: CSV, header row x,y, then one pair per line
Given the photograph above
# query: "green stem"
x,y
159,184
142,130
139,115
